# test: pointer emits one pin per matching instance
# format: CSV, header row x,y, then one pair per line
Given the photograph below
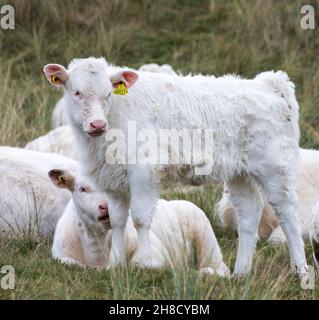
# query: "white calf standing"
x,y
29,203
255,143
307,188
180,231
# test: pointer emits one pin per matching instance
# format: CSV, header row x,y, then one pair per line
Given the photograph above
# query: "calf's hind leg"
x,y
248,204
283,198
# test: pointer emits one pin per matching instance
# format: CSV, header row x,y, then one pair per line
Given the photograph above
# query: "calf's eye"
x,y
82,189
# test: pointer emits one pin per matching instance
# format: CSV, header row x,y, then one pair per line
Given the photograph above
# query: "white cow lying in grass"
x,y
314,234
29,203
60,140
255,143
180,231
307,188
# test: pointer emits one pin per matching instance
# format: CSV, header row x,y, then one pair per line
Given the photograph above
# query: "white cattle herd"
x,y
105,211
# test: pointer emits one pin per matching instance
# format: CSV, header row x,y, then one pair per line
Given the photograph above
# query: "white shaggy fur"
x,y
60,116
29,203
256,135
180,231
60,140
314,234
307,188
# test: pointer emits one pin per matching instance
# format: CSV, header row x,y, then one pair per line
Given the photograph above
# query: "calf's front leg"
x,y
144,196
118,211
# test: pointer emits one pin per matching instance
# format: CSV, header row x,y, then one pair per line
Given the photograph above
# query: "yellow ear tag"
x,y
60,179
121,89
54,79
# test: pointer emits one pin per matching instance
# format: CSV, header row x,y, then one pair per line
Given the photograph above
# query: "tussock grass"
x,y
244,37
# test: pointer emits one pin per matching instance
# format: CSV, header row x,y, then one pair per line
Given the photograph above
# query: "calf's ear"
x,y
62,179
128,77
56,74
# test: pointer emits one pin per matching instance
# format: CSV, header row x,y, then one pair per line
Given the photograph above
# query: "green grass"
x,y
38,276
244,37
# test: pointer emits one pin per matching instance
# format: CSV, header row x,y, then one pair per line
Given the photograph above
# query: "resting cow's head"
x,y
91,205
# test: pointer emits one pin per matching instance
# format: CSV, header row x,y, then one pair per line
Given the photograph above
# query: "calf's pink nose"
x,y
98,124
103,208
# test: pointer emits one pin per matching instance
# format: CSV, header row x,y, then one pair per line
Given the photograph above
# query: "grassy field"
x,y
212,37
